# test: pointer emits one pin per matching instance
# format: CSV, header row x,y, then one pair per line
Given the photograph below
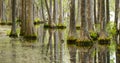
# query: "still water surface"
x,y
50,47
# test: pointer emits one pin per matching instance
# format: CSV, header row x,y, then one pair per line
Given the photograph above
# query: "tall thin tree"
x,y
13,30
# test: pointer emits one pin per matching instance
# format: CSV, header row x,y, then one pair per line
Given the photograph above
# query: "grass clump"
x,y
94,35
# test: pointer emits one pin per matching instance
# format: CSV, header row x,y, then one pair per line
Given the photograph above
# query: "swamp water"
x,y
51,47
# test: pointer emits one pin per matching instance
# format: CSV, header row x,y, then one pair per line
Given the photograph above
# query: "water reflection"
x,y
103,54
51,47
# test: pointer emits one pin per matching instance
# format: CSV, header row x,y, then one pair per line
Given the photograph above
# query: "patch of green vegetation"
x,y
9,31
111,29
37,21
94,35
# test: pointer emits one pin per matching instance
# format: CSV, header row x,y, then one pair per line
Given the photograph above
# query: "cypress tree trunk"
x,y
30,31
84,27
3,17
55,12
13,30
103,34
90,13
102,15
0,9
50,22
98,12
10,11
78,18
72,26
95,20
42,7
107,12
116,36
61,12
23,18
116,18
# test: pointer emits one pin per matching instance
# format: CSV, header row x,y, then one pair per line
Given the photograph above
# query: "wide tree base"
x,y
8,23
54,27
13,35
71,41
84,43
78,27
39,22
32,37
105,41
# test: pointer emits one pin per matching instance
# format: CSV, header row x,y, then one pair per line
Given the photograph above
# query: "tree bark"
x,y
55,12
90,13
13,30
107,12
72,26
61,12
30,31
49,14
23,18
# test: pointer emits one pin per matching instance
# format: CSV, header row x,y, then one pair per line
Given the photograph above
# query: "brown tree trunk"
x,y
13,29
116,36
55,12
107,12
95,20
0,9
84,27
90,13
78,17
50,22
103,34
22,17
61,12
72,26
30,31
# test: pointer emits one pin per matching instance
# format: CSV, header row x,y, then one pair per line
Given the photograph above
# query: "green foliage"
x,y
112,5
94,35
110,29
37,20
